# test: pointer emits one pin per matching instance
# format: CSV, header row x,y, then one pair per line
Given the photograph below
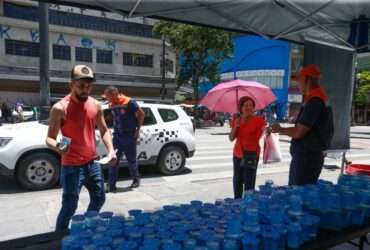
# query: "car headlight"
x,y
4,141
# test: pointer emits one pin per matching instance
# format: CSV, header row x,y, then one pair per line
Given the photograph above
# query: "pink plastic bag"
x,y
271,149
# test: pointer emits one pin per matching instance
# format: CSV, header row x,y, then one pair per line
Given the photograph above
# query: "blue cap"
x,y
106,215
90,214
78,217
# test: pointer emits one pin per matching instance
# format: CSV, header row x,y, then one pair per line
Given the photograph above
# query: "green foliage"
x,y
362,95
202,50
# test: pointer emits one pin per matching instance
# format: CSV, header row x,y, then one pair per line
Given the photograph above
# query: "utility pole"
x,y
163,88
44,60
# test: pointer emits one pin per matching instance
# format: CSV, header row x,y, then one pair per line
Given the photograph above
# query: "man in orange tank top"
x,y
76,116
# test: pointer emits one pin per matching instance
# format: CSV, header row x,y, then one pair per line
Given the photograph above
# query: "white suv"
x,y
166,140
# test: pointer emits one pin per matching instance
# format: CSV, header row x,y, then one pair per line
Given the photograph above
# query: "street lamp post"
x,y
44,60
163,87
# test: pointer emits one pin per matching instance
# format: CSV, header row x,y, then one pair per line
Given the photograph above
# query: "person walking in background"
x,y
312,132
247,129
128,118
77,115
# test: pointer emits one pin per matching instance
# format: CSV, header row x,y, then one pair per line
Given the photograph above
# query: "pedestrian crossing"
x,y
214,151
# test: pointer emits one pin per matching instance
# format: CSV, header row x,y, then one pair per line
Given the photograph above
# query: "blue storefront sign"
x,y
261,60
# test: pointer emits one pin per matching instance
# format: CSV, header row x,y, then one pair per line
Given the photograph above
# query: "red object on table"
x,y
353,169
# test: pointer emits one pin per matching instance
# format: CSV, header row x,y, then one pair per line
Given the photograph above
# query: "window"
x,y
83,54
61,52
169,65
22,48
168,115
132,59
104,56
149,118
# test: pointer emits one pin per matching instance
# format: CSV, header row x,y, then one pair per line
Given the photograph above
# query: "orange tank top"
x,y
79,125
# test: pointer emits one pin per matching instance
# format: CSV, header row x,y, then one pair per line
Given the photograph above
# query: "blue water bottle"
x,y
77,224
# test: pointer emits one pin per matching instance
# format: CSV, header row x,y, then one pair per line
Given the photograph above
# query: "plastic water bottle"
x,y
117,242
106,216
348,200
276,214
171,246
89,247
67,242
295,203
230,245
233,228
213,245
78,244
190,244
250,242
91,219
294,233
270,238
77,224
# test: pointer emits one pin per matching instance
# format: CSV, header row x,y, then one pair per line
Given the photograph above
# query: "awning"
x,y
330,21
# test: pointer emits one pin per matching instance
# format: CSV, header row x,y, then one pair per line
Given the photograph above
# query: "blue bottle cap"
x,y
91,214
196,203
106,215
134,212
78,218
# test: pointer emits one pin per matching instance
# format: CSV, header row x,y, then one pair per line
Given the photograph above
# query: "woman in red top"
x,y
247,130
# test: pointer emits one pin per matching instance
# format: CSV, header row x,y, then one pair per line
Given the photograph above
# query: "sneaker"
x,y
135,183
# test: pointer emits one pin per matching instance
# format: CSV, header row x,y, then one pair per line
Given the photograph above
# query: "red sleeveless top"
x,y
79,125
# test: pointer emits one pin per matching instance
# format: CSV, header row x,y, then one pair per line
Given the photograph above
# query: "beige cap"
x,y
82,72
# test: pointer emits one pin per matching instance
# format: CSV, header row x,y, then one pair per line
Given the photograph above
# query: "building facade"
x,y
264,61
122,52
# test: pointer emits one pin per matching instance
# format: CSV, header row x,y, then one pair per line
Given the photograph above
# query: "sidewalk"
x,y
35,212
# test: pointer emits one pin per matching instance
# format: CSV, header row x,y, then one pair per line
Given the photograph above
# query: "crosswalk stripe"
x,y
216,156
197,164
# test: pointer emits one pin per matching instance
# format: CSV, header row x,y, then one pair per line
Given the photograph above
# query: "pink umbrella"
x,y
225,96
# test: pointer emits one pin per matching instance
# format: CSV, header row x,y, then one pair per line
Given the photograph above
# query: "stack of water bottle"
x,y
273,218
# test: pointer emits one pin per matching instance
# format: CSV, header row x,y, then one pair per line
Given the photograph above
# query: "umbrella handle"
x,y
237,99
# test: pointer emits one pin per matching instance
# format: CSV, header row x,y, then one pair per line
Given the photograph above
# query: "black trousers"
x,y
244,178
305,167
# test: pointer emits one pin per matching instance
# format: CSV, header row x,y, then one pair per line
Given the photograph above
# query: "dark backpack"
x,y
325,130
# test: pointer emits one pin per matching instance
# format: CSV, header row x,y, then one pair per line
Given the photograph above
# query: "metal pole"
x,y
163,88
44,60
344,161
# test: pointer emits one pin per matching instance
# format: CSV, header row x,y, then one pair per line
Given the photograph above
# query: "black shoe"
x,y
135,183
109,189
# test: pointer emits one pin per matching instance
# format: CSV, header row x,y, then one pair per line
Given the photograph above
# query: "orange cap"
x,y
311,70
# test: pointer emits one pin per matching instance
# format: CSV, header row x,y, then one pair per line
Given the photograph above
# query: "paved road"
x,y
207,177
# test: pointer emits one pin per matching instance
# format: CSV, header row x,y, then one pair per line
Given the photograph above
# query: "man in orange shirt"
x,y
309,135
128,118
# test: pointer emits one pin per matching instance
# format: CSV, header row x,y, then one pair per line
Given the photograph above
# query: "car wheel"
x,y
38,171
171,160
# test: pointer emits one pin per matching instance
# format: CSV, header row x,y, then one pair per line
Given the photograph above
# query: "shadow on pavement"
x,y
219,133
360,133
9,185
148,174
331,167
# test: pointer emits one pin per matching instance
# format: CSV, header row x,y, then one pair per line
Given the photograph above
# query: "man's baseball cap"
x,y
82,72
310,70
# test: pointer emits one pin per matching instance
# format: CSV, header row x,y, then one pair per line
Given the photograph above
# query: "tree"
x,y
362,94
202,51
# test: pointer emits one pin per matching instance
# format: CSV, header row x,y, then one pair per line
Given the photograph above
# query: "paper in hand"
x,y
107,159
